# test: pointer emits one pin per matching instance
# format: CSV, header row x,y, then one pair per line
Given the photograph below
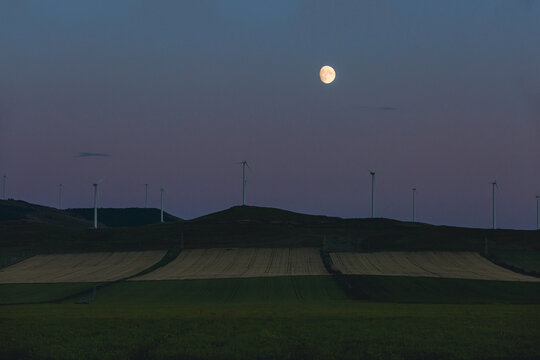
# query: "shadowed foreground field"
x,y
262,318
39,293
526,260
408,289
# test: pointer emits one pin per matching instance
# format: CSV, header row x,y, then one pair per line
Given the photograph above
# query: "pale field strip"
x,y
463,265
240,263
85,267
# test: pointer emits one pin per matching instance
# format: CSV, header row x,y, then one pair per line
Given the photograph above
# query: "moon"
x,y
327,74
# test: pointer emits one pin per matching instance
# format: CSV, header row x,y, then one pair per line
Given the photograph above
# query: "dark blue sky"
x,y
444,96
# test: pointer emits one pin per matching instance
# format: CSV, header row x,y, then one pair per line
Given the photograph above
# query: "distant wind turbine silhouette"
x,y
145,196
162,190
372,173
244,181
60,196
494,211
537,212
95,185
413,204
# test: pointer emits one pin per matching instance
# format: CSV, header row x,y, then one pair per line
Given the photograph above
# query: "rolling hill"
x,y
115,217
35,228
17,210
256,214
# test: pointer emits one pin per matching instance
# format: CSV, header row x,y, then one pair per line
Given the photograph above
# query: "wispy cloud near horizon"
x,y
378,108
90,154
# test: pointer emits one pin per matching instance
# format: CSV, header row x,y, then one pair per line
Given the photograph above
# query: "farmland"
x,y
42,293
245,262
87,267
301,317
463,265
525,260
250,283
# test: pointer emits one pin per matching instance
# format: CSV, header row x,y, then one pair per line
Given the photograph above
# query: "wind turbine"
x,y
4,188
413,204
146,196
494,214
60,196
244,181
95,185
162,191
537,213
372,173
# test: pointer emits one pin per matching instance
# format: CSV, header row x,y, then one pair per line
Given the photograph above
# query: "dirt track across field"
x,y
465,265
240,263
87,267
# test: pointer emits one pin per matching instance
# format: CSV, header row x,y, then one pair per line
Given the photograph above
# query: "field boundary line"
x,y
169,256
509,266
18,260
339,278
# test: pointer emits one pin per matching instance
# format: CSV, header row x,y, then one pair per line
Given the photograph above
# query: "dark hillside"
x,y
255,214
16,210
123,217
248,226
385,234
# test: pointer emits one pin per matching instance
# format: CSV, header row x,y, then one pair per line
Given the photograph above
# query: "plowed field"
x,y
240,263
88,267
464,265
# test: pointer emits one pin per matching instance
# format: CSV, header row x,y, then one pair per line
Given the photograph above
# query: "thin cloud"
x,y
89,154
378,108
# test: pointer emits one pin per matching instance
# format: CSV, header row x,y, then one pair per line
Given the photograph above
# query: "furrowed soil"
x,y
240,263
79,267
464,265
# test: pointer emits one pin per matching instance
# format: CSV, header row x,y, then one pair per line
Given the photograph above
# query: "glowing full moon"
x,y
327,74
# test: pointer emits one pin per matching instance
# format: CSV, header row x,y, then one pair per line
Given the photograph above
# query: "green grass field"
x,y
528,260
262,318
8,258
262,290
37,293
408,289
335,330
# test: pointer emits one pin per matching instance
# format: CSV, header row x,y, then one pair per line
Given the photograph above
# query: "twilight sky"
x,y
441,95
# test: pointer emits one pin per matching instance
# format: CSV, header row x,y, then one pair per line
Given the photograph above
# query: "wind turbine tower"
x,y
372,173
60,196
413,204
145,196
494,214
244,181
162,191
95,203
537,212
